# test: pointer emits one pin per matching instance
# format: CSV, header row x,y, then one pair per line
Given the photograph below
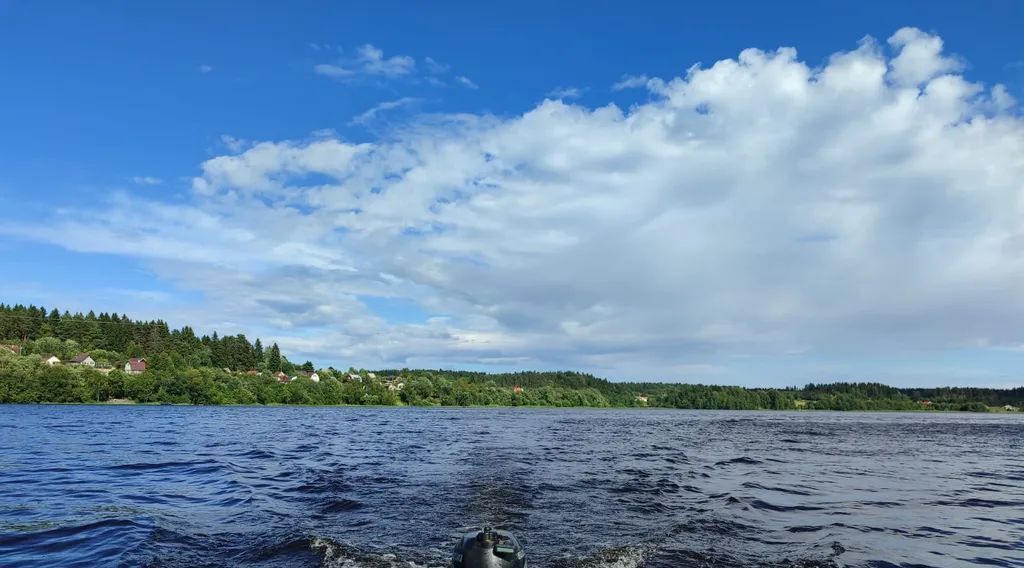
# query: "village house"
x,y
371,376
50,360
641,398
517,389
354,377
1010,408
15,349
395,385
82,359
281,377
311,376
135,366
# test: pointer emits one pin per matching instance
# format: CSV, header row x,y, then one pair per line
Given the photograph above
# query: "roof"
x,y
137,364
48,356
80,357
16,349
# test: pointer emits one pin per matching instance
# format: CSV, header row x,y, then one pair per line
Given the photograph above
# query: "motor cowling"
x,y
489,548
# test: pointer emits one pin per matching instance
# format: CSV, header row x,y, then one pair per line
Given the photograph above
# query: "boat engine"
x,y
489,548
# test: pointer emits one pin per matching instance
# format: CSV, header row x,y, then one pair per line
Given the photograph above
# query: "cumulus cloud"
x,y
756,209
920,57
146,180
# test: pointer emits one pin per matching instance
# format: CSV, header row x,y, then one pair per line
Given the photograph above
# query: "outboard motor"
x,y
489,548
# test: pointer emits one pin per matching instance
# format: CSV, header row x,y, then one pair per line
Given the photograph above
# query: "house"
x,y
82,359
253,373
395,385
371,376
1010,408
641,398
15,349
50,360
311,376
135,366
281,377
517,389
926,403
354,377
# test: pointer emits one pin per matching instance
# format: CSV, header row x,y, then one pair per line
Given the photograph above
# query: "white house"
x,y
1010,408
314,377
82,359
354,377
371,375
135,366
51,360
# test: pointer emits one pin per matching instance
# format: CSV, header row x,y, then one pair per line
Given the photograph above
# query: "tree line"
x,y
213,369
112,338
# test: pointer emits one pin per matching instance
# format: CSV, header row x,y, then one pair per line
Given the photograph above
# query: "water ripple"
x,y
388,488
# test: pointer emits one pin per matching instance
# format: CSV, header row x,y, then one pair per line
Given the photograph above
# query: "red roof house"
x,y
135,366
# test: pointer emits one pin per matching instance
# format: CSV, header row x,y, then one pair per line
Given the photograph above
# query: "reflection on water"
x,y
357,487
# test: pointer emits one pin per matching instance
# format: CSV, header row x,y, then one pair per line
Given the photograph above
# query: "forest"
x,y
185,368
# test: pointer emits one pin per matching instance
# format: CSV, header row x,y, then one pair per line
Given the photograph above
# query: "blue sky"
x,y
529,185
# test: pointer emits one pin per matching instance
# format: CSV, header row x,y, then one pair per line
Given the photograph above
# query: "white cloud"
x,y
325,133
757,209
332,70
920,57
631,82
205,68
436,67
566,92
373,62
466,82
369,115
369,60
235,145
146,180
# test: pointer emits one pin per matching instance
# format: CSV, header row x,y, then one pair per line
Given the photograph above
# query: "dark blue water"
x,y
191,486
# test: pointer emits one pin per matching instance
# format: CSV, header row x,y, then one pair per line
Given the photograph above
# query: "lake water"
x,y
386,487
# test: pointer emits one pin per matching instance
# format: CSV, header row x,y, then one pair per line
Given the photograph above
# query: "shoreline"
x,y
992,410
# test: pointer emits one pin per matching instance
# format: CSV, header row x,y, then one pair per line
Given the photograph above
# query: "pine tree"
x,y
257,353
274,358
